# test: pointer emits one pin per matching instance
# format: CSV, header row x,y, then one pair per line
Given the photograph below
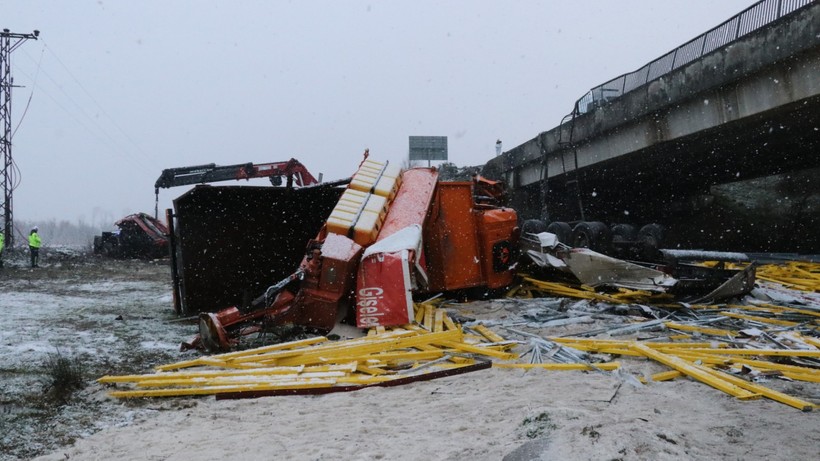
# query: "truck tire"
x,y
625,242
561,230
651,235
651,239
534,226
591,234
624,233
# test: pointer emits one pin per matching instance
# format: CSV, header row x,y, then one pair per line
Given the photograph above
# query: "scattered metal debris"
x,y
731,347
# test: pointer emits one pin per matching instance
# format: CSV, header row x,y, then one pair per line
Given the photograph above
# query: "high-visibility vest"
x,y
34,240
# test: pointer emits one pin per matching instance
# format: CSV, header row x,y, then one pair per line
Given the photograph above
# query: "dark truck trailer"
x,y
230,243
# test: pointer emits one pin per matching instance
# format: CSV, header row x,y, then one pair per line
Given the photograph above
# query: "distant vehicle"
x,y
138,236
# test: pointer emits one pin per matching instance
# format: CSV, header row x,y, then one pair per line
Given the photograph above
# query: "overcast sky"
x,y
115,91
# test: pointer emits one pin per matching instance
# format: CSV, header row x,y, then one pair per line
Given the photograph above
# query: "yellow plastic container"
x,y
378,178
358,215
352,200
363,227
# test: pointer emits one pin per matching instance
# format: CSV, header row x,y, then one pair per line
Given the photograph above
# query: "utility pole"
x,y
8,42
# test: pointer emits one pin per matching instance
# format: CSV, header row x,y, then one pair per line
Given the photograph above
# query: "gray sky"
x,y
121,89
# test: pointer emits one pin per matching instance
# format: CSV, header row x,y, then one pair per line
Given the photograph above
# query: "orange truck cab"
x,y
462,245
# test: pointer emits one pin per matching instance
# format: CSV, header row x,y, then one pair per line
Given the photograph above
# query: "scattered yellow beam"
x,y
317,362
764,352
774,309
755,318
695,372
438,320
428,316
759,390
477,349
211,390
812,378
448,323
767,365
699,329
667,375
813,341
489,334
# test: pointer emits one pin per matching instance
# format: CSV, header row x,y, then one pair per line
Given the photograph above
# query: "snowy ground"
x,y
113,316
116,316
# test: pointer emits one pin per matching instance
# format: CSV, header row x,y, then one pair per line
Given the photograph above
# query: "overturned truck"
x,y
247,259
138,235
357,253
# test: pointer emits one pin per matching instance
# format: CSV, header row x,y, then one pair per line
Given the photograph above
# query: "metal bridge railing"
x,y
753,18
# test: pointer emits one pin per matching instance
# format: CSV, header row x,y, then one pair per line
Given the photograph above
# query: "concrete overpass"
x,y
719,140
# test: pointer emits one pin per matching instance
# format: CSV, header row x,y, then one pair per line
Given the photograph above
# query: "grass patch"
x,y
62,376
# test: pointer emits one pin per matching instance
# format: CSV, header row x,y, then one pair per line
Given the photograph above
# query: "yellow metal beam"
x,y
327,354
271,358
699,329
438,320
793,309
755,318
210,390
448,323
767,365
764,352
420,310
693,371
758,389
667,375
491,336
428,316
477,349
812,378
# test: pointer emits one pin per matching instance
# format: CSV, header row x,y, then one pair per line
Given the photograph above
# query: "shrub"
x,y
63,376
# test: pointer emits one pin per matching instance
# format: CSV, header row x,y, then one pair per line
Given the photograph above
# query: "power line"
x,y
30,95
90,96
100,133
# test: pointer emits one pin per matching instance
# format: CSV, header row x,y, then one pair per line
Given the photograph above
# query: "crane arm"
x,y
293,170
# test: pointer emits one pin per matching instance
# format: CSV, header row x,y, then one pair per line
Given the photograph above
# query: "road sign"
x,y
428,148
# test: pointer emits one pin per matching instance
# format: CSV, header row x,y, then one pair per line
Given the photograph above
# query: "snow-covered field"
x,y
116,317
111,316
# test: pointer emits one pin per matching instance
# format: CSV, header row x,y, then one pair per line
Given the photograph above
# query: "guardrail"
x,y
749,20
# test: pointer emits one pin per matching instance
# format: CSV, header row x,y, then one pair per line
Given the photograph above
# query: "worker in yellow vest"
x,y
34,244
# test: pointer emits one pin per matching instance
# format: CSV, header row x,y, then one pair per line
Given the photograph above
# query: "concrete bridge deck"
x,y
729,143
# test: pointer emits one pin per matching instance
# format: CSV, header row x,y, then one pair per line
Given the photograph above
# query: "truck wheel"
x,y
593,235
651,235
651,238
534,226
624,233
561,230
